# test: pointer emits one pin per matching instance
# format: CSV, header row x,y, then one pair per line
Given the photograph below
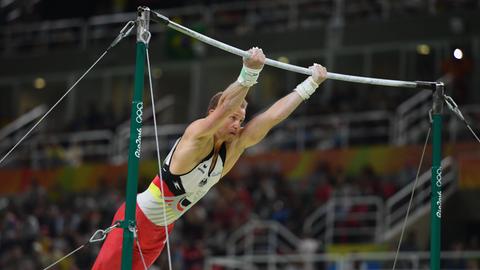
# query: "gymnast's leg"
x,y
151,237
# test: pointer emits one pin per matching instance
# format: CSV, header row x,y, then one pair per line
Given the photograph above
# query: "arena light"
x,y
423,49
458,53
39,83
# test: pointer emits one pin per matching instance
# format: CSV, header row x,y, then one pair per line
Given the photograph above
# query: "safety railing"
x,y
318,132
412,118
22,121
45,149
13,131
352,219
415,260
396,206
332,131
68,148
261,237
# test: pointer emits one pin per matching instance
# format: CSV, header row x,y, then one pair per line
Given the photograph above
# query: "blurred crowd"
x,y
39,226
38,10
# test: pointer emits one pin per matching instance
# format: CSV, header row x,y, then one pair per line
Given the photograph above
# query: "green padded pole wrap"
x,y
436,181
135,142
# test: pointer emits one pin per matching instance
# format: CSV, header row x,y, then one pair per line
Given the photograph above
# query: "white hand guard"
x,y
306,88
248,76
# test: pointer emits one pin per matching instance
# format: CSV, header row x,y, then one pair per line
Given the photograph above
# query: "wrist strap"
x,y
306,88
248,76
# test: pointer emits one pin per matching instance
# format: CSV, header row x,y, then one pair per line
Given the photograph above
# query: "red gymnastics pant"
x,y
151,237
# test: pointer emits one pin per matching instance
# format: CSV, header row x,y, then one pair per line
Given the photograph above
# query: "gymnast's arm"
x,y
259,126
231,98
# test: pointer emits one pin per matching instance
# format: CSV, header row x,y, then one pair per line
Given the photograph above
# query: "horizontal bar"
x,y
334,76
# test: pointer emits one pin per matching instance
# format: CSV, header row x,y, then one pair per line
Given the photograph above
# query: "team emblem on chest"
x,y
205,179
203,182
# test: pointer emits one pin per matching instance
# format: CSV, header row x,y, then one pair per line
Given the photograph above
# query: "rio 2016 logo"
x,y
139,112
438,183
138,119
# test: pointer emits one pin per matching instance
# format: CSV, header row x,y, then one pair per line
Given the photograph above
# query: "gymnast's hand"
x,y
308,87
256,59
319,73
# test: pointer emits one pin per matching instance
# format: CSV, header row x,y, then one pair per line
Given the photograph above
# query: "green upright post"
x,y
143,37
436,181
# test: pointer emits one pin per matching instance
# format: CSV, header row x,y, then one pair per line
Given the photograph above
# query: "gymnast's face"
x,y
233,125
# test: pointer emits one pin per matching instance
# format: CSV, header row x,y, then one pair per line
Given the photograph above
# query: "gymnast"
x,y
207,151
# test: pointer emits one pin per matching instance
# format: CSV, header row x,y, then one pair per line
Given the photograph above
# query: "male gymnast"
x,y
206,152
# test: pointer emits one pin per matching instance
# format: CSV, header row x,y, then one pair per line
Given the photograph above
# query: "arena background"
x,y
327,189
